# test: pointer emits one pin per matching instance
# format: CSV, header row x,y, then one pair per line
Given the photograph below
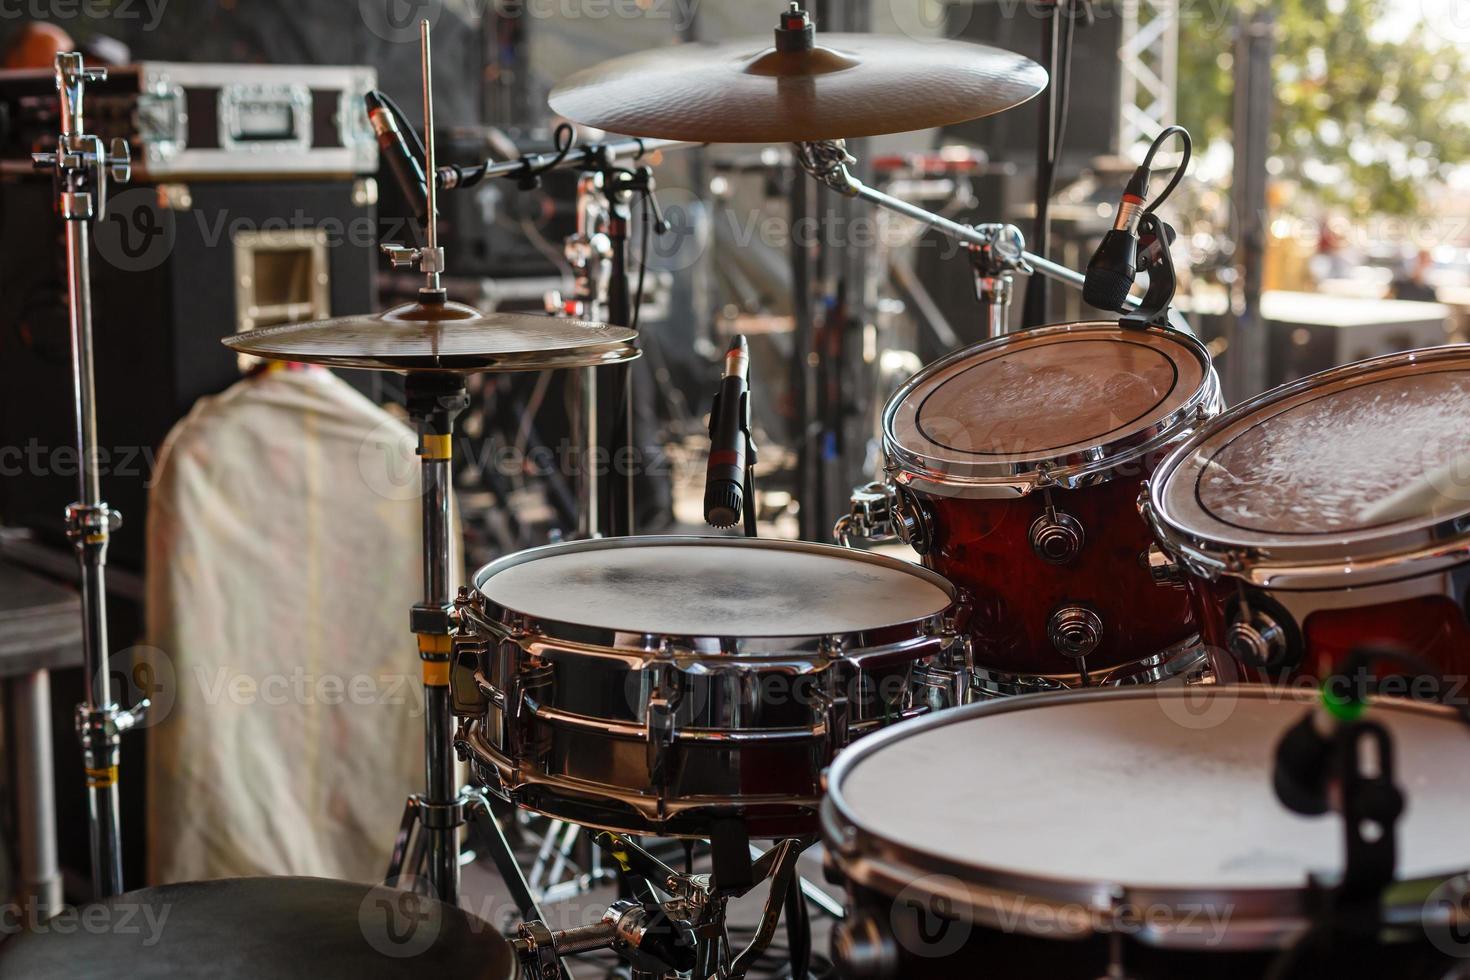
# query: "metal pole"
x,y
430,184
82,168
434,400
1246,347
1036,290
40,873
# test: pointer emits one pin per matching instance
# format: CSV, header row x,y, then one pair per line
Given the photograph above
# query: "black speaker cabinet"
x,y
174,269
1092,123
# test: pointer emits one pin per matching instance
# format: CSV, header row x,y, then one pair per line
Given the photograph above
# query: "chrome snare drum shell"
x,y
1165,852
654,684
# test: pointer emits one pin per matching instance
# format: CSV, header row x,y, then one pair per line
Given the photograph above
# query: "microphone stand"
x,y
81,168
598,255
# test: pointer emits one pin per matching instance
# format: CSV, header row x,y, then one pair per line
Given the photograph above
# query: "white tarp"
x,y
283,559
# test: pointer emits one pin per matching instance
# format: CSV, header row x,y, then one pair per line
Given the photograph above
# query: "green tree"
x,y
1362,121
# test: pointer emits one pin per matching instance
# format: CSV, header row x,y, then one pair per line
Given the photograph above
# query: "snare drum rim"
x,y
1404,550
1096,465
1258,917
750,647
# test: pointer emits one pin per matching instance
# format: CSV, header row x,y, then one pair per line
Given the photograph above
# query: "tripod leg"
x,y
505,861
400,842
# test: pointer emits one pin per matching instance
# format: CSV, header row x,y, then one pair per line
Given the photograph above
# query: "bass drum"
x,y
1017,465
1330,512
657,685
1130,833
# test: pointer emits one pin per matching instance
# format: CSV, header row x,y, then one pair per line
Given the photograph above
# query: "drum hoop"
x,y
755,647
1097,464
1372,556
1258,917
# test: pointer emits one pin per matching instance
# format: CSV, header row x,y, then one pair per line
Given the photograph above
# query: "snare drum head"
x,y
1146,790
1356,455
714,587
1050,395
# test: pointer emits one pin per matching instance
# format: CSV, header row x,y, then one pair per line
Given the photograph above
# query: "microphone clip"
x,y
1154,238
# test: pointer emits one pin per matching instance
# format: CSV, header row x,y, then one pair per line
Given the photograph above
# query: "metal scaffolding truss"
x,y
1148,51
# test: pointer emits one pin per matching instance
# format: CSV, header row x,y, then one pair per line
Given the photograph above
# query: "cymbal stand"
x,y
81,168
998,250
995,265
435,399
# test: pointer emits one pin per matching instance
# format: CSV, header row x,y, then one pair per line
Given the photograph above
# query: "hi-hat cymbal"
x,y
846,86
442,337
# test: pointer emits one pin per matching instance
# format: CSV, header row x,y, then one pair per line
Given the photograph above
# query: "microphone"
x,y
1303,763
1113,267
407,170
729,421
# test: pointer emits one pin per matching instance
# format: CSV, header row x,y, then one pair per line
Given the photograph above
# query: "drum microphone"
x,y
407,170
1113,267
729,423
1303,763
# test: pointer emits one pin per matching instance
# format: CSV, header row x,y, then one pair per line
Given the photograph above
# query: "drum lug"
x,y
468,646
835,711
662,719
1056,536
910,521
1162,568
1075,631
1260,641
1261,633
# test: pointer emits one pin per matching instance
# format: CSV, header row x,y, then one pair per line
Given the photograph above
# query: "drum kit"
x,y
1091,528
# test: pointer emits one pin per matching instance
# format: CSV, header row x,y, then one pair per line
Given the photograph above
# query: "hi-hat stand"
x,y
81,168
435,399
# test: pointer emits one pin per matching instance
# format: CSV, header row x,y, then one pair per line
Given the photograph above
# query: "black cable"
x,y
1148,160
647,232
410,132
561,141
1064,99
1360,658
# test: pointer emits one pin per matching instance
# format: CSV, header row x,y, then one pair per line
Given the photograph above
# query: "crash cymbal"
x,y
806,87
442,337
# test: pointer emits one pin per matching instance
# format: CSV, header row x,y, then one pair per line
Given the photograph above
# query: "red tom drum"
x,y
1330,512
1017,465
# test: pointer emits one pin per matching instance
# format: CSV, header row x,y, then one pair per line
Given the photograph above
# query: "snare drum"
x,y
1330,512
1126,833
654,685
1016,466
